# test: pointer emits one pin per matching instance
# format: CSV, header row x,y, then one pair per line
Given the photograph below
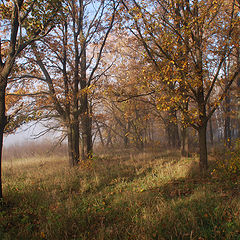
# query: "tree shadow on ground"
x,y
193,207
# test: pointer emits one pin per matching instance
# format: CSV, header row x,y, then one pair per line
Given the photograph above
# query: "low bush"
x,y
228,163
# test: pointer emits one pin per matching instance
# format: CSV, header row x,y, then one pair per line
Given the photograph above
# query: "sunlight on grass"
x,y
144,196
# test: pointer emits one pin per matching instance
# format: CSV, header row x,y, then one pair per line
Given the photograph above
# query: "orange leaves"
x,y
6,9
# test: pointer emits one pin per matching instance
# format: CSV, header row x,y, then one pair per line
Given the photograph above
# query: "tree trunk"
x,y
173,135
86,127
86,123
73,146
75,138
126,132
227,121
184,143
109,138
1,147
3,121
86,118
100,134
211,132
238,94
70,147
172,129
202,134
126,140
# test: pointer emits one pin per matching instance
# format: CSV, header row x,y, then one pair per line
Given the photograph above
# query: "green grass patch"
x,y
131,197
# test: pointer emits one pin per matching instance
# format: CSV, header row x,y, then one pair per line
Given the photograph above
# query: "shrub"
x,y
228,163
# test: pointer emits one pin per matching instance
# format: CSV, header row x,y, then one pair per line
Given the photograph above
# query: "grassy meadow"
x,y
140,196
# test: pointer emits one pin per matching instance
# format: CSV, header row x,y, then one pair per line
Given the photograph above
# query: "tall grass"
x,y
34,149
121,196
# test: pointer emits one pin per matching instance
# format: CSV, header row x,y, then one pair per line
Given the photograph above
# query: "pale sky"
x,y
23,135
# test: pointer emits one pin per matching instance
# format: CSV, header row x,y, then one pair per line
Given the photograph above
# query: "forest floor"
x,y
117,196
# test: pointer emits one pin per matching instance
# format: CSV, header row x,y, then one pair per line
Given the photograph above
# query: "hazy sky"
x,y
23,134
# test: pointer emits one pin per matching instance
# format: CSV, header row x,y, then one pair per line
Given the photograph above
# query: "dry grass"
x,y
34,150
121,196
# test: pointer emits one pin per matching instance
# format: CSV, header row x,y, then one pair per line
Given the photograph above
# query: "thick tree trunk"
x,y
238,93
86,118
73,146
1,147
86,123
75,138
202,135
211,132
3,121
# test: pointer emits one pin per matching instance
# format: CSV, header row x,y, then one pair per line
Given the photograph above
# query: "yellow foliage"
x,y
229,165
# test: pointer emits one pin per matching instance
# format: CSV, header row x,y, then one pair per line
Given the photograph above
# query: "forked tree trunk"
x,y
202,135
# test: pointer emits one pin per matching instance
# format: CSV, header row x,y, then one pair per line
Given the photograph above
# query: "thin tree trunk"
x,y
202,134
227,122
184,145
109,138
100,134
173,134
70,147
126,138
227,102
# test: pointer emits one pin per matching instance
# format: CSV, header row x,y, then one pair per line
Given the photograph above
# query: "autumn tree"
x,y
22,22
68,65
188,43
126,108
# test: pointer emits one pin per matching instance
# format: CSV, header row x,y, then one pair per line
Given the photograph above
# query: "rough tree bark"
x,y
3,122
85,116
